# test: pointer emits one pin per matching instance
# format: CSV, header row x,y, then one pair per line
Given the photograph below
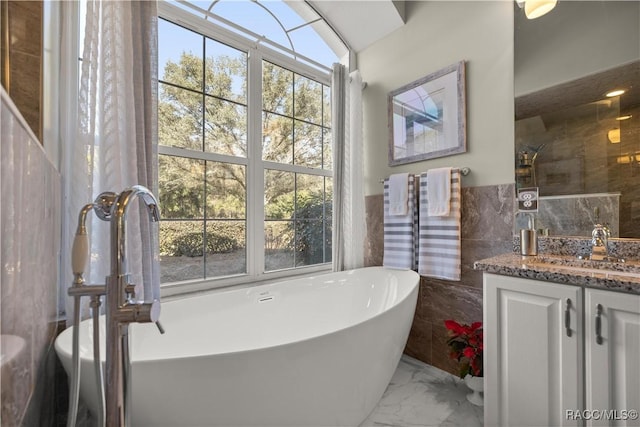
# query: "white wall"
x,y
437,34
575,39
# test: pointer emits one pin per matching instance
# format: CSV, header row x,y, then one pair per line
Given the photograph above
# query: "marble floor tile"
x,y
420,395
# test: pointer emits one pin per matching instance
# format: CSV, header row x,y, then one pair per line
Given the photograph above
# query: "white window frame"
x,y
255,217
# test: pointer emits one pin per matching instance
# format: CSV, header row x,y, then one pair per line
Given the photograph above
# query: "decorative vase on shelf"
x,y
476,384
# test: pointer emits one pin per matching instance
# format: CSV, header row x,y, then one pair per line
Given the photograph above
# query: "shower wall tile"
x,y
578,158
30,227
486,230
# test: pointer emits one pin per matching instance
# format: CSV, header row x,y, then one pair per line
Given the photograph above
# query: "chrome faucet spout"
x,y
600,242
126,197
118,222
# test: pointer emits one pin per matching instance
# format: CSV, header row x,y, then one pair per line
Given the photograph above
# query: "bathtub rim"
x,y
88,357
192,287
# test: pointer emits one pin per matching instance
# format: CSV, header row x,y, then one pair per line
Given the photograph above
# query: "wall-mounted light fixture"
x,y
633,158
625,159
536,8
614,136
625,117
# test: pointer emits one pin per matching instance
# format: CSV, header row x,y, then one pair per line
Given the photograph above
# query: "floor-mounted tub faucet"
x,y
121,306
122,309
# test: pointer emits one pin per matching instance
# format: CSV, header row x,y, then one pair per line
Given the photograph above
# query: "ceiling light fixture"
x,y
536,8
613,93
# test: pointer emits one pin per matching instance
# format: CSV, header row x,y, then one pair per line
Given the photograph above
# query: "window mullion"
x,y
206,164
201,155
255,171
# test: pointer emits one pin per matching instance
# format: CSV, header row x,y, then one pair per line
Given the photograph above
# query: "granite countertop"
x,y
621,277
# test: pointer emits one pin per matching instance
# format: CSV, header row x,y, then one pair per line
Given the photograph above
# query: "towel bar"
x,y
464,171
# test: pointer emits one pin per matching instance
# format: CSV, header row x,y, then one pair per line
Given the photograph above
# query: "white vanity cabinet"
x,y
532,367
612,355
542,366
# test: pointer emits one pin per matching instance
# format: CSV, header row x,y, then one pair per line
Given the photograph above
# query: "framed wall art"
x,y
427,118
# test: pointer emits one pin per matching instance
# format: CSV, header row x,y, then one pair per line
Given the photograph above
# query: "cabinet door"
x,y
533,363
613,360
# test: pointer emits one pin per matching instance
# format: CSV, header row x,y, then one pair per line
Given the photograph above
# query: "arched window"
x,y
245,155
294,26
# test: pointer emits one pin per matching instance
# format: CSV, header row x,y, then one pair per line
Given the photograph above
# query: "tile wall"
x,y
30,229
579,157
487,224
22,58
574,215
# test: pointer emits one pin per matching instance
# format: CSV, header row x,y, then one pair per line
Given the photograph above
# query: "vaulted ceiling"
x,y
362,22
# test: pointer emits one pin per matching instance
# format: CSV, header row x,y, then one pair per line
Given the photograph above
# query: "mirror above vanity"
x,y
578,145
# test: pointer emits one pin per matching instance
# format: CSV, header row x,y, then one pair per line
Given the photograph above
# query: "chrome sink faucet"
x,y
600,242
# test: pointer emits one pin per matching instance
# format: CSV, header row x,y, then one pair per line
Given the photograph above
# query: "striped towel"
x,y
401,231
439,236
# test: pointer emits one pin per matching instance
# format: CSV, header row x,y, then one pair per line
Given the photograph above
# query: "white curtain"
x,y
115,145
348,210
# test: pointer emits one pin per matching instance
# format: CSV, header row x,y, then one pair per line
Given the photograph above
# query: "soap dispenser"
x,y
529,239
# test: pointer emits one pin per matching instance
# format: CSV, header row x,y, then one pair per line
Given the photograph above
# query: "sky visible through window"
x,y
254,18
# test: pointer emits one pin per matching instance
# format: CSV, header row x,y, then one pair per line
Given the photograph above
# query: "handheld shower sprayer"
x,y
80,252
80,247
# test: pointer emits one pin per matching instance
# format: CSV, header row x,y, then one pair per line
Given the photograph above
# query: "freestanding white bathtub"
x,y
316,351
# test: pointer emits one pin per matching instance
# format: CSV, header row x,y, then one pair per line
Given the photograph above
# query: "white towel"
x,y
439,191
439,236
401,231
398,194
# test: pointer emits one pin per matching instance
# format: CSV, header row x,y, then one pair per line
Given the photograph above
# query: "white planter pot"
x,y
476,384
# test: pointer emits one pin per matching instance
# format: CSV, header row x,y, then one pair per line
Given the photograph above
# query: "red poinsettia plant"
x,y
466,346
